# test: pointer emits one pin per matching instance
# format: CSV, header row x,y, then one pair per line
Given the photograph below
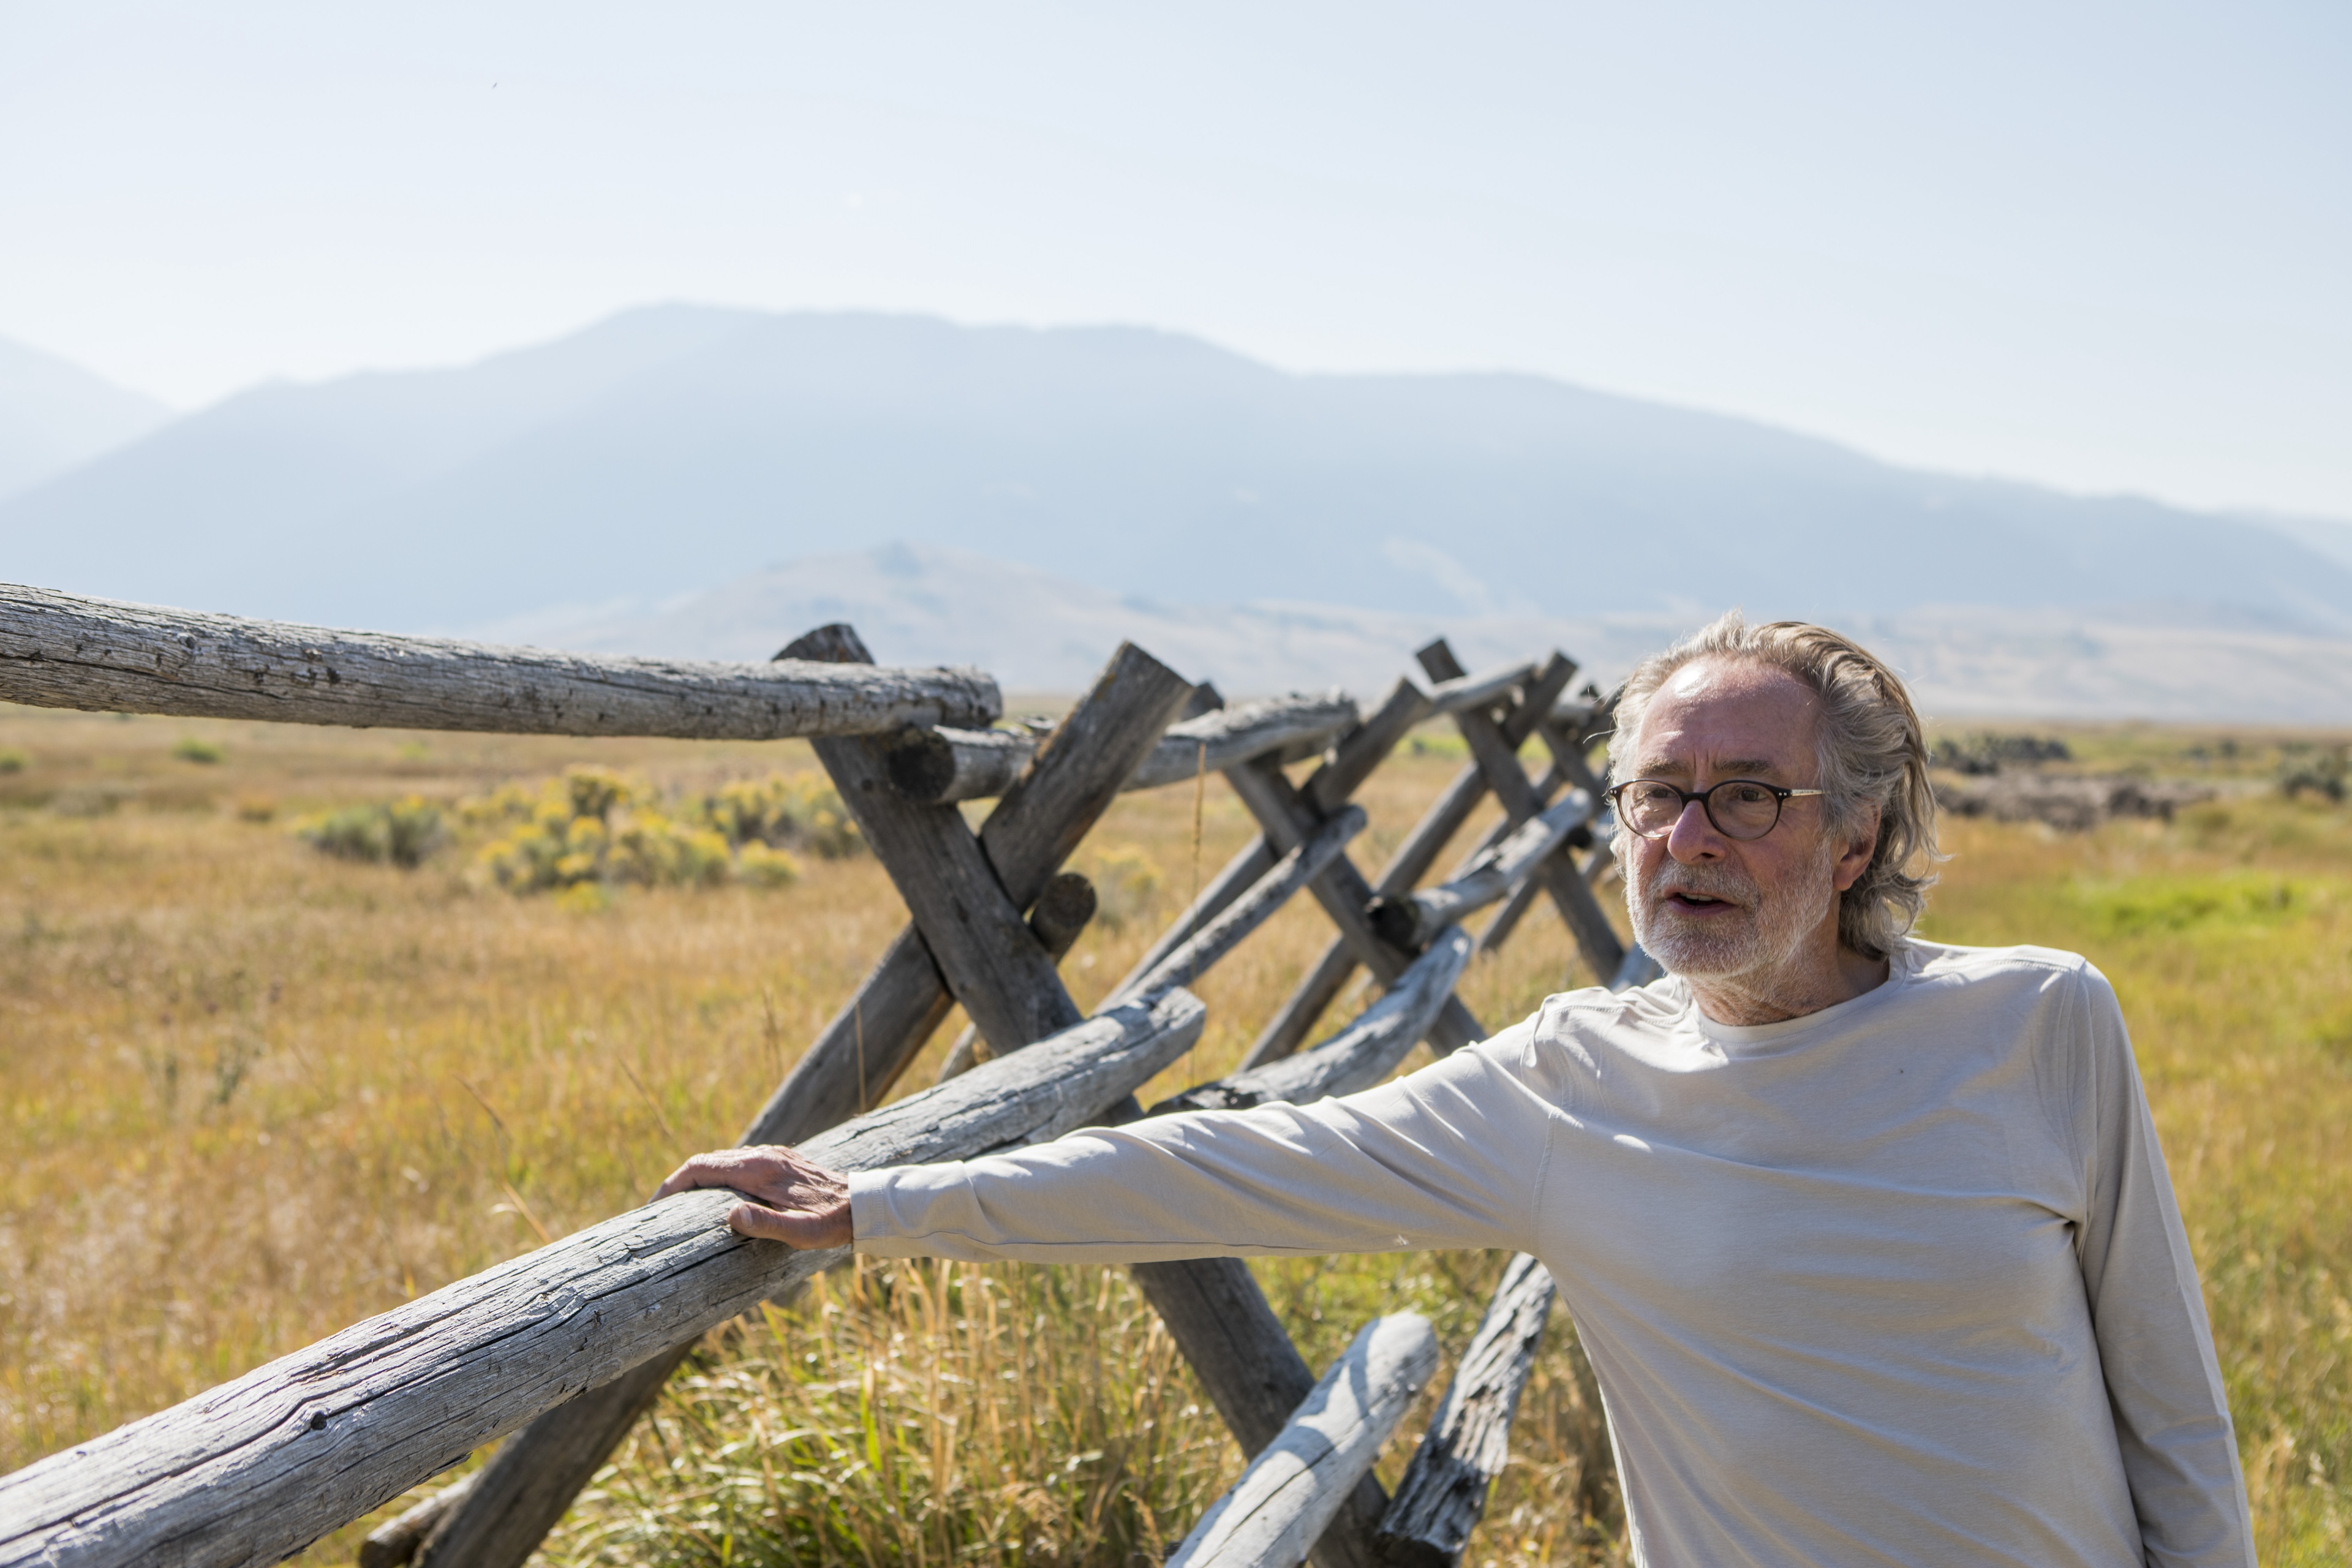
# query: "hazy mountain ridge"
x,y
667,449
55,416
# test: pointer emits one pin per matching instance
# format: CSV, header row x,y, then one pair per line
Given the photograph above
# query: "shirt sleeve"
x,y
2164,1382
1423,1162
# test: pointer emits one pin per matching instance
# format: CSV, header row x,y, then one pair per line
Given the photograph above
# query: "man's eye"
x,y
1650,795
1748,794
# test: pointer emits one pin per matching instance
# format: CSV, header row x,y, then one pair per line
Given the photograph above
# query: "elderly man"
x,y
1869,1239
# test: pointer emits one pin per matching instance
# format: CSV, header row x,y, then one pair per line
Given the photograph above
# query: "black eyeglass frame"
x,y
1780,798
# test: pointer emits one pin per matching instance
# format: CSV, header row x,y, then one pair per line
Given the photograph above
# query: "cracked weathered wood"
x,y
258,1469
1359,1056
951,764
1475,693
1410,919
990,960
1057,920
58,650
1293,1489
1445,1488
1321,985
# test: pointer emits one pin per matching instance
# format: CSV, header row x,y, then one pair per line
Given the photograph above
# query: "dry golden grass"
x,y
253,1094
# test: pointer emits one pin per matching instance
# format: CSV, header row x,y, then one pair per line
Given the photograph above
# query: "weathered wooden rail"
x,y
572,1344
60,651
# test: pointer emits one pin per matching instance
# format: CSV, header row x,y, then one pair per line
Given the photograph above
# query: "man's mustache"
x,y
1702,881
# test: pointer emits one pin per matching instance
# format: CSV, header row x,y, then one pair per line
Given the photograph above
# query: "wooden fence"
x,y
561,1350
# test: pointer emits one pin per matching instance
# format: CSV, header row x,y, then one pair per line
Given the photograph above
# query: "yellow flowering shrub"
x,y
595,827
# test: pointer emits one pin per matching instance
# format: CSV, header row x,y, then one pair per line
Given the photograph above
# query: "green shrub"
x,y
13,761
595,826
402,834
799,811
2321,772
193,750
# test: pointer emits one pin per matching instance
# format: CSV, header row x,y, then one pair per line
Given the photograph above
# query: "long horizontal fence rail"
x,y
264,1464
259,1468
58,650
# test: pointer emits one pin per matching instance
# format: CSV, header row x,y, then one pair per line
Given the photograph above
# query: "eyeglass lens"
x,y
1738,808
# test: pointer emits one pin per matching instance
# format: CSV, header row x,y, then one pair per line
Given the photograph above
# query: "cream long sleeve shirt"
x,y
1901,1281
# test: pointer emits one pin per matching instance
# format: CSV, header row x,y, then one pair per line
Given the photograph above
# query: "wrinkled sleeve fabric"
x,y
2164,1382
1443,1158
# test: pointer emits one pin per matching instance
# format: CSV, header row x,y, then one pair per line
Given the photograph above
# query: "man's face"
x,y
1710,908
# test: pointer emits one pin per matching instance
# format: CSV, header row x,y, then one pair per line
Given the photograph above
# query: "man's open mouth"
x,y
1685,899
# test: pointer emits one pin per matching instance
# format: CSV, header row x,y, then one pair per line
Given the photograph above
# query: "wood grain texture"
x,y
991,961
1445,1488
256,1469
952,764
1058,918
1479,692
58,650
1359,1056
1410,919
1293,1489
1079,769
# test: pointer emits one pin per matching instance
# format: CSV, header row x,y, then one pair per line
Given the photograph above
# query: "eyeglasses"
x,y
1739,808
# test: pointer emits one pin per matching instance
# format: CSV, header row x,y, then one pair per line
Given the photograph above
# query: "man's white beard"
x,y
1760,940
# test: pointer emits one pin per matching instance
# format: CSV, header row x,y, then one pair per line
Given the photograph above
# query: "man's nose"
x,y
1693,836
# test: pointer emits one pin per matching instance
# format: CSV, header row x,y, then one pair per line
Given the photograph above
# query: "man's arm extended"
x,y
1421,1163
2172,1418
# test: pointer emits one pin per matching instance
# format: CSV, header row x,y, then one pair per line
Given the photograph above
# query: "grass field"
x,y
253,1092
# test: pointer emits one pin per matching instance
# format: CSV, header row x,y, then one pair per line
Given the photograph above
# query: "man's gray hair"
x,y
1870,749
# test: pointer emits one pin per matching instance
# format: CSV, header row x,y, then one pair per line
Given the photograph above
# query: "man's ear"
x,y
1861,843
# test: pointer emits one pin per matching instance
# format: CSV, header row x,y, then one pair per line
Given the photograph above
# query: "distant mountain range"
x,y
54,416
1104,478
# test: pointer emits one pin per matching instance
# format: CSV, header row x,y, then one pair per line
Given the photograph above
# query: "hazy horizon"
x,y
2079,250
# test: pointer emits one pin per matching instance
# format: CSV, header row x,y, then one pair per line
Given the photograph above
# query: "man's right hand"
x,y
798,1204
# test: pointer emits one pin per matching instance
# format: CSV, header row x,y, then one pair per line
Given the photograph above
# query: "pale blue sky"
x,y
2107,246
